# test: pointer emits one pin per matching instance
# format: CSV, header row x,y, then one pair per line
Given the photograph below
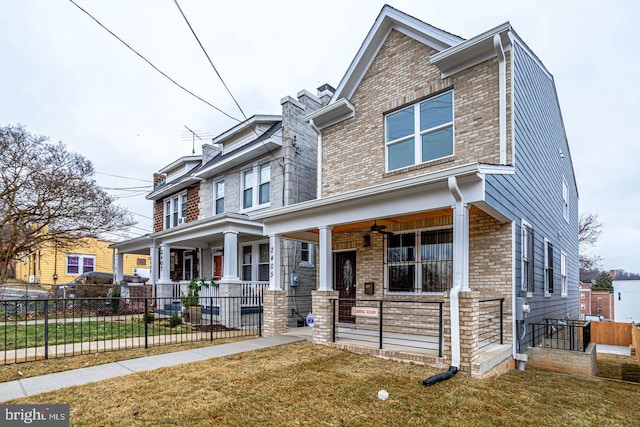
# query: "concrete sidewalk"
x,y
41,384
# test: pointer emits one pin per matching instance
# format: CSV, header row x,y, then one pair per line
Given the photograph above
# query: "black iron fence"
x,y
574,335
298,307
48,328
490,322
403,325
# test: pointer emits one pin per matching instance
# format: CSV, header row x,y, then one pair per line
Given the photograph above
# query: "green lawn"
x,y
32,335
311,385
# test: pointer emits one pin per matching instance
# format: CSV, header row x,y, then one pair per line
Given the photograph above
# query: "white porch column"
x,y
461,246
119,267
155,264
325,253
230,259
165,264
275,281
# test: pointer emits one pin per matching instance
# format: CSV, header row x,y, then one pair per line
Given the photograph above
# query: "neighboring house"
x,y
585,300
626,300
445,177
596,305
54,264
201,225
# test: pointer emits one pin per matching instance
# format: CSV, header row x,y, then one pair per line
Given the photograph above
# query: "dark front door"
x,y
345,280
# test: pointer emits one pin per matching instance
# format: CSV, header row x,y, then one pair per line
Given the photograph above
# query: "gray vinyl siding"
x,y
534,192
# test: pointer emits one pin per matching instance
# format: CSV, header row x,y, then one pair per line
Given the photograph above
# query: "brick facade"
x,y
401,75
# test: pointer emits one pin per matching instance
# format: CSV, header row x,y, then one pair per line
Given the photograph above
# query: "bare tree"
x,y
589,231
48,196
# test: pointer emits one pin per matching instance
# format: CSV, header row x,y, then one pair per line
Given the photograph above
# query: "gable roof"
x,y
390,19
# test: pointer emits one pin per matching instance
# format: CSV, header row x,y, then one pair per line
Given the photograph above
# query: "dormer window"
x,y
420,133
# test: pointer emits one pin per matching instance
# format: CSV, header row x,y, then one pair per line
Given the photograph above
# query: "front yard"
x,y
303,384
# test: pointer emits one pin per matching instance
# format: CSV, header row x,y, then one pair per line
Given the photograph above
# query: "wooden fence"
x,y
611,333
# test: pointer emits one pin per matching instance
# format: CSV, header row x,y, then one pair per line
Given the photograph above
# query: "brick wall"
x,y
401,75
193,203
158,215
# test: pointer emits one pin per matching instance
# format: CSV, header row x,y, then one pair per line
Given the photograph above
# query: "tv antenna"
x,y
193,139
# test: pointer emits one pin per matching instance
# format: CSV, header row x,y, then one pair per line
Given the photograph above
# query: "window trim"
x,y
310,254
217,197
548,268
81,258
173,205
255,260
418,133
417,262
256,186
527,284
564,285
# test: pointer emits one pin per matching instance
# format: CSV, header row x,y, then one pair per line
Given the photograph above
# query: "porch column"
x,y
230,286
275,281
461,246
164,286
325,253
119,267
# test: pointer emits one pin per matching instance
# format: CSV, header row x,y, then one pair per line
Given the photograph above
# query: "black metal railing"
x,y
490,322
574,335
403,325
298,307
48,328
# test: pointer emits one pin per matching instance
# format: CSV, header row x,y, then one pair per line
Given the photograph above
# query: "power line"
x,y
123,177
210,62
153,66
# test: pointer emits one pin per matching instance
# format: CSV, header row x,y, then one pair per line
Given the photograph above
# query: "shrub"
x,y
175,321
148,317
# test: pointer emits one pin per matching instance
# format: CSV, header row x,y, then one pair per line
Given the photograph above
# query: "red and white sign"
x,y
364,311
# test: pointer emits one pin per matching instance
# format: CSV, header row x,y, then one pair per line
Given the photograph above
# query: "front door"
x,y
345,284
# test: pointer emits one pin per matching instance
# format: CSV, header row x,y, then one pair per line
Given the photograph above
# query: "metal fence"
x,y
404,325
574,335
491,322
48,328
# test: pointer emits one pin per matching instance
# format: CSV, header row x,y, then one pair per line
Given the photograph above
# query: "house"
x,y
446,187
626,300
54,264
596,304
201,207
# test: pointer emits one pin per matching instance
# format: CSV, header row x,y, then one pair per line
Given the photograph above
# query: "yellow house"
x,y
51,264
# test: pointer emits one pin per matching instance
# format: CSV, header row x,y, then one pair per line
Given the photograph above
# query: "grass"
x,y
32,335
304,384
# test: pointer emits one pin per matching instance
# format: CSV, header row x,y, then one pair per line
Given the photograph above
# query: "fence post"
x,y
211,318
380,333
501,321
260,315
441,331
146,322
333,320
46,329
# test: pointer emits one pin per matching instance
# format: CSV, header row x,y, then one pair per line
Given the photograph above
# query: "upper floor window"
x,y
175,209
428,269
420,133
258,177
565,199
79,264
219,196
548,268
527,258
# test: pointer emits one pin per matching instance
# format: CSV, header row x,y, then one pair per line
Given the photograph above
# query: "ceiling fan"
x,y
375,228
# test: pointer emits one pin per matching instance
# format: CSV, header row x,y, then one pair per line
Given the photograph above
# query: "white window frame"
x,y
255,261
526,257
582,307
309,250
173,209
417,262
563,275
565,199
418,134
256,184
217,196
548,269
81,258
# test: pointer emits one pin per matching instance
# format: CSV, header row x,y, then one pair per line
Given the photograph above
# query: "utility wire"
x,y
153,66
210,62
123,177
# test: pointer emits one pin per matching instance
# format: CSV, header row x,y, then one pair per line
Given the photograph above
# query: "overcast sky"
x,y
64,76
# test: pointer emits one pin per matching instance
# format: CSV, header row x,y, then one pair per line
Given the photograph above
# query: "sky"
x,y
64,76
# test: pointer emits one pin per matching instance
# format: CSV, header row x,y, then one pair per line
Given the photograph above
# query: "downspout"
x,y
502,97
319,168
458,283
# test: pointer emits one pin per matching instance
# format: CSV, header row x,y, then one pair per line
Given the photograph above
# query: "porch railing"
x,y
405,325
251,293
491,322
573,335
49,328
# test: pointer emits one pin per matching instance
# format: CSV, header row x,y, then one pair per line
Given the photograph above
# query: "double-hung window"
x,y
78,264
252,270
548,268
563,274
219,195
258,177
527,258
175,208
420,133
428,269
